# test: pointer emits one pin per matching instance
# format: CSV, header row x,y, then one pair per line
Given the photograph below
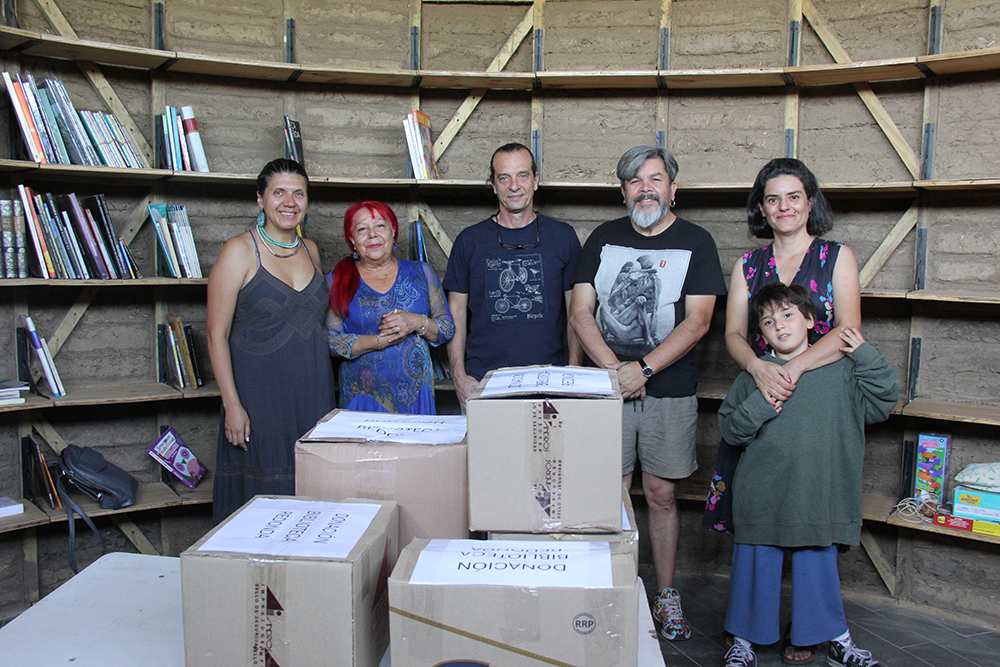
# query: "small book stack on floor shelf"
x,y
55,132
72,237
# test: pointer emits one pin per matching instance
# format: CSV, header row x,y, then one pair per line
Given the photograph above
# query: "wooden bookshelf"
x,y
894,69
953,412
30,517
147,497
881,509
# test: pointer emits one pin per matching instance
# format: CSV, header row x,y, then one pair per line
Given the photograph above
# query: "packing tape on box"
x,y
545,462
375,472
267,611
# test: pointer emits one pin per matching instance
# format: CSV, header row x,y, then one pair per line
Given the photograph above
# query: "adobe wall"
x,y
718,136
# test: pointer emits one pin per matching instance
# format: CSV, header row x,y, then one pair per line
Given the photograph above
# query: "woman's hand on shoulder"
x,y
772,380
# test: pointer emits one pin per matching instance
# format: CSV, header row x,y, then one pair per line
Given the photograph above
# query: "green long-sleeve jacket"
x,y
798,483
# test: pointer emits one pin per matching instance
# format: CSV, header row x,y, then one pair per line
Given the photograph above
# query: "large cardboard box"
x,y
504,603
545,463
976,504
429,482
629,534
313,592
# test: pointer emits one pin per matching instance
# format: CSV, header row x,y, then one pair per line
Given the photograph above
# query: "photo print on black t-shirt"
x,y
637,290
515,288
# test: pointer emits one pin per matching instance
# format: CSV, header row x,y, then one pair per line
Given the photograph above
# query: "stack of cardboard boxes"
x,y
556,583
541,467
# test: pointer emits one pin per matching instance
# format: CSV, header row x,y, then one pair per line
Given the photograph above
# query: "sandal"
x,y
788,650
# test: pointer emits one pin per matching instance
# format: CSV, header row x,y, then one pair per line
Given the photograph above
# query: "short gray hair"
x,y
632,161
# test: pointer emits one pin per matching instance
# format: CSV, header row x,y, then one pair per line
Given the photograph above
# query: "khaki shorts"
x,y
662,432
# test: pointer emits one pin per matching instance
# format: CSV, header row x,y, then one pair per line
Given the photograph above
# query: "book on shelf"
x,y
29,132
418,247
41,356
78,146
10,391
418,127
10,507
31,97
20,239
185,353
45,266
55,133
8,259
171,453
193,136
293,141
175,240
37,479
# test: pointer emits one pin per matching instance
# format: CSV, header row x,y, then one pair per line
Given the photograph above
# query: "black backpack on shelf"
x,y
107,484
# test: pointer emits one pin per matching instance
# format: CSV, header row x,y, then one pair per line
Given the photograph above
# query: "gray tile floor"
x,y
897,636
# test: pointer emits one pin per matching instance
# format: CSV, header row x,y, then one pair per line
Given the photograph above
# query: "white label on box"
x,y
549,380
403,429
514,563
286,527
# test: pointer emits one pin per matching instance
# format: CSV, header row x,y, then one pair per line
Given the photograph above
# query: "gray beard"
x,y
647,220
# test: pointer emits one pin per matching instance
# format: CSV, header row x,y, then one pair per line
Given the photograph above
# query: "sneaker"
x,y
667,610
849,655
740,655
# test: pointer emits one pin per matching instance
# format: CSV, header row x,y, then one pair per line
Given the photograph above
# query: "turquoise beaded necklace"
x,y
267,237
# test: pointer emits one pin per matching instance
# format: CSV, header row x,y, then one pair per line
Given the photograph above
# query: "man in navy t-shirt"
x,y
509,281
644,293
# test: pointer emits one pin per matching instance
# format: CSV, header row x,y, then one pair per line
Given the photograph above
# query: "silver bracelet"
x,y
423,329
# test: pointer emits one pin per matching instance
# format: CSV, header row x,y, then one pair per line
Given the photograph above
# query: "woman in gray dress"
x,y
267,303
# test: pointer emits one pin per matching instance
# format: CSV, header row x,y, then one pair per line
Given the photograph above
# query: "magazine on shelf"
x,y
171,452
43,360
293,141
422,122
195,148
29,133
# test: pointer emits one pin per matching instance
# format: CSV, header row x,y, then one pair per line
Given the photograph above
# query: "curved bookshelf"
x,y
913,67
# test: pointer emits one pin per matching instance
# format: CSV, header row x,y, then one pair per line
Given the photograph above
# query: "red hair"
x,y
345,276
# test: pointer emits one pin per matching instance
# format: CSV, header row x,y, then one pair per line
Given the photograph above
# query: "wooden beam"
x,y
475,97
434,225
71,318
97,79
878,112
889,245
879,560
135,535
50,435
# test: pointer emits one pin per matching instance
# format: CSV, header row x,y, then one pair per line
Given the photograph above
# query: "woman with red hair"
x,y
384,314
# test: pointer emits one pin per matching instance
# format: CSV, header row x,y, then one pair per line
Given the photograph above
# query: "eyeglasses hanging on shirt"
x,y
520,246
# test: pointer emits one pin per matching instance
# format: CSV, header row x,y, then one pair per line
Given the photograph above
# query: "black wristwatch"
x,y
646,370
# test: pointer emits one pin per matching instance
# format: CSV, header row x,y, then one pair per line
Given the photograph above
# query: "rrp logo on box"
x,y
584,623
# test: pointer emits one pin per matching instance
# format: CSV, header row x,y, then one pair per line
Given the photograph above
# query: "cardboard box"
x,y
976,504
429,482
316,596
629,534
932,467
542,464
520,622
968,525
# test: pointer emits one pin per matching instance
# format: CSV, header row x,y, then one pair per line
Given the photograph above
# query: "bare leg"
x,y
664,527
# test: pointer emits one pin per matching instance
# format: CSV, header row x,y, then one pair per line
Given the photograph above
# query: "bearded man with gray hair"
x,y
643,295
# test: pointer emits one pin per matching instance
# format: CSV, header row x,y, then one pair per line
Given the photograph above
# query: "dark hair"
x,y
776,294
821,215
279,166
630,163
512,147
346,278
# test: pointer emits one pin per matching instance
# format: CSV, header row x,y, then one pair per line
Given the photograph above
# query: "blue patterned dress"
x,y
399,378
815,273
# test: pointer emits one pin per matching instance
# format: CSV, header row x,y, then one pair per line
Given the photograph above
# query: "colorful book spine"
x,y
59,143
46,269
171,452
158,213
27,87
95,256
195,148
182,142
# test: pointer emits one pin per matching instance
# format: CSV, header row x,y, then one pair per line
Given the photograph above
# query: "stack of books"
x,y
417,127
10,391
44,358
178,359
73,237
55,132
418,248
175,240
178,141
38,472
